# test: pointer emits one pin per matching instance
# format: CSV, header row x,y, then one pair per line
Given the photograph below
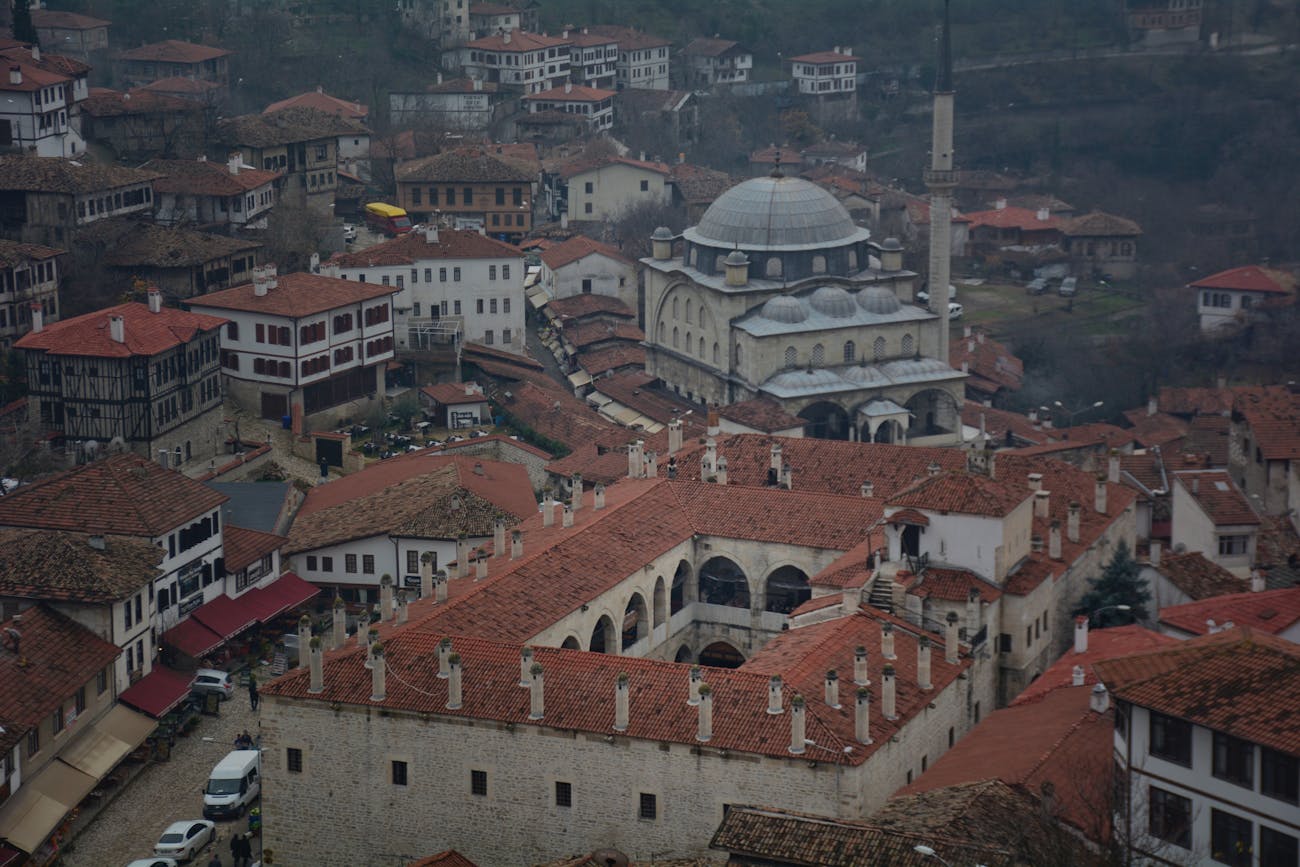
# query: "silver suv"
x,y
212,680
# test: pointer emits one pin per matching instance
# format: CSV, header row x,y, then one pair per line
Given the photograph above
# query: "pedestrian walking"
x,y
252,690
241,850
216,860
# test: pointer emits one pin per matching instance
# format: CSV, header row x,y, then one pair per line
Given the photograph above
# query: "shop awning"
x,y
41,804
579,378
9,856
225,616
158,691
192,638
98,748
287,591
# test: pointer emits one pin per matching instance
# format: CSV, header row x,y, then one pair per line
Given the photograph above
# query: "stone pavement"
x,y
167,792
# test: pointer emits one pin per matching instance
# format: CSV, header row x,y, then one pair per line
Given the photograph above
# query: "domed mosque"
x,y
777,293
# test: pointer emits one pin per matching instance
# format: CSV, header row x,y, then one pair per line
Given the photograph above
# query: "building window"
x,y
79,701
101,681
293,760
412,562
492,272
327,564
773,267
505,336
819,264
311,563
478,783
1231,546
645,186
399,773
350,563
908,345
455,275
563,794
33,742
649,807
1171,817
56,719
850,352
791,356
442,275
588,187
1171,739
1279,775
368,564
478,306
586,286
492,306
1234,760
1276,849
818,355
1231,839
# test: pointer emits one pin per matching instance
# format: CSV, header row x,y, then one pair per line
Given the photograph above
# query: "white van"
x,y
235,783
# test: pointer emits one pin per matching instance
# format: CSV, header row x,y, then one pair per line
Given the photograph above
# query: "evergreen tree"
x,y
24,29
1118,584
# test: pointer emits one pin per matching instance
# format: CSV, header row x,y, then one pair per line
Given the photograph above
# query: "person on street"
x,y
252,690
216,860
241,850
244,741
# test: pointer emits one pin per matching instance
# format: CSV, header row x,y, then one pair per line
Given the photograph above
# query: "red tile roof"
x,y
60,20
998,421
52,564
761,414
1199,577
204,178
146,333
1159,429
953,585
179,84
1249,278
103,102
467,164
553,412
56,657
989,359
1273,414
1113,643
294,296
629,39
516,41
1241,682
1011,217
705,47
964,493
122,495
242,547
449,858
1196,401
608,358
824,57
15,253
1219,496
1270,611
454,393
583,334
582,164
589,304
636,390
573,93
1098,224
580,247
414,247
174,51
321,101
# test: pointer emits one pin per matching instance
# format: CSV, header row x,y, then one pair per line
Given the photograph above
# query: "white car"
x,y
955,310
153,862
924,297
208,680
184,840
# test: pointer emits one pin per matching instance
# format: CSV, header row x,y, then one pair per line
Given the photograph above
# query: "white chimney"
x,y
1035,481
868,489
478,84
861,671
1072,522
1044,215
537,694
526,666
1000,205
635,460
787,478
455,692
117,329
1112,467
377,674
480,565
516,544
568,87
1081,634
155,301
38,318
598,496
548,511
367,638
315,664
888,697
15,74
774,695
1154,555
1077,676
721,473
674,436
798,725
568,516
575,492
1153,405
1257,582
710,457
1099,701
621,702
499,537
304,638
923,663
431,233
340,623
833,689
776,463
386,598
704,711
444,654
887,641
1100,505
697,677
441,587
850,600
1042,502
235,162
934,469
651,465
260,283
951,649
403,607
1054,541
862,718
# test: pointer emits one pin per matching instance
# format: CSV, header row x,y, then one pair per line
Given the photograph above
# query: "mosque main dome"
x,y
773,213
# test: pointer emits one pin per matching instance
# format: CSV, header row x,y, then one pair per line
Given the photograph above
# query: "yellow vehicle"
x,y
389,219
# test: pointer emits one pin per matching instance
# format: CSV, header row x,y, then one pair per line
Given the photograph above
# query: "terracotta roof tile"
x,y
321,101
1269,611
136,244
998,421
705,47
120,495
1099,224
989,359
1219,496
472,164
455,393
61,20
1111,643
1248,278
762,414
413,247
15,253
40,174
699,185
580,247
589,304
146,333
584,334
53,564
1277,545
516,41
204,178
572,93
57,657
287,126
174,51
103,102
1209,435
1196,401
1199,577
964,493
1240,681
824,57
1159,429
581,164
636,390
629,39
295,295
1273,414
179,84
242,547
1011,217
555,413
953,585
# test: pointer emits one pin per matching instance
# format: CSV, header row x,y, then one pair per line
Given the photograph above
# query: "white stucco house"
x,y
604,189
1233,298
1213,516
581,266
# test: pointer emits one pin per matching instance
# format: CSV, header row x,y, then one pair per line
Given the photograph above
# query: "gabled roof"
x,y
454,393
125,243
1102,644
294,296
287,126
172,84
414,247
1199,577
583,334
57,565
582,165
614,357
520,41
60,20
580,247
321,101
174,51
964,493
122,495
1240,681
471,164
762,414
589,304
704,47
42,174
243,547
103,102
1012,217
204,178
636,390
1248,278
1269,611
146,333
821,58
57,656
16,252
33,77
1273,414
572,93
989,359
629,38
1098,224
1218,496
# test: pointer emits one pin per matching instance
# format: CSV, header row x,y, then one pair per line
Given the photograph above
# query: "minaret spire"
x,y
941,179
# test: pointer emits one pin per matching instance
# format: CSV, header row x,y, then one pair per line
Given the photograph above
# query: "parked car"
x,y
349,233
1068,287
183,840
924,297
1037,286
212,680
955,310
234,785
153,862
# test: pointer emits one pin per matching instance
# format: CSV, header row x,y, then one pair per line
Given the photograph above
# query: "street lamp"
x,y
1098,405
1108,608
927,852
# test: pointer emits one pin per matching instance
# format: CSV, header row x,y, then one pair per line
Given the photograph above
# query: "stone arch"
x,y
723,582
690,311
682,591
604,636
688,343
717,355
791,356
660,609
850,352
818,355
636,621
889,431
675,308
819,264
684,654
721,654
825,420
934,412
785,589
675,337
702,355
772,268
704,316
909,345
662,331
571,642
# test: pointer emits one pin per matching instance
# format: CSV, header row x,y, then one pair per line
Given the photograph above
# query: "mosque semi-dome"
x,y
784,308
776,213
878,299
832,301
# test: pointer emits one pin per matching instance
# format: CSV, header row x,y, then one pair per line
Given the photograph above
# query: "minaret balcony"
x,y
940,178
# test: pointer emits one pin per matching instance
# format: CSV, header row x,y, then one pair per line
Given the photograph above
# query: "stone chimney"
x,y
499,537
798,725
621,703
386,597
368,638
1099,700
575,492
1153,554
1077,676
710,459
868,489
1042,502
454,687
38,318
598,496
378,677
850,600
721,473
537,693
1081,634
1153,405
568,87
1257,582
951,648
704,711
1035,482
973,611
933,469
155,300
833,689
526,666
861,671
462,556
887,641
777,463
697,677
340,623
888,693
923,663
403,608
548,510
1112,467
1100,504
516,544
568,517
862,716
774,695
787,478
636,460
652,464
440,587
1072,522
316,666
674,436
261,281
426,575
444,654
1054,541
117,329
431,233
304,638
480,565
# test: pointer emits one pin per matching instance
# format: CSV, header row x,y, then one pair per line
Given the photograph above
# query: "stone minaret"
x,y
941,179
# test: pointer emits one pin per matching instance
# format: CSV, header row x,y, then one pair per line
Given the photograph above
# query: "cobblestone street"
x,y
167,792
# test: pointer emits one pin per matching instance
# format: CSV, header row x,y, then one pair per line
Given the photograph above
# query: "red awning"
x,y
158,691
192,638
285,592
10,856
225,616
